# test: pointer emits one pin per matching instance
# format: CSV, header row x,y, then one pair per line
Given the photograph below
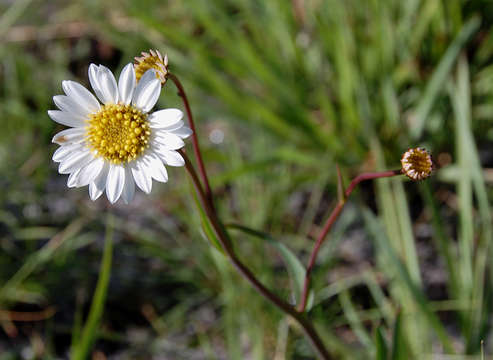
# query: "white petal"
x,y
182,132
97,187
169,140
156,167
74,161
67,104
93,79
170,128
148,76
81,96
107,85
115,182
67,119
72,179
145,97
63,151
89,172
94,191
69,136
142,178
129,187
169,157
126,83
166,119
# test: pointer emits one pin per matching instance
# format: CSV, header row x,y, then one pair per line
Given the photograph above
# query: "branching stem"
x,y
226,244
330,221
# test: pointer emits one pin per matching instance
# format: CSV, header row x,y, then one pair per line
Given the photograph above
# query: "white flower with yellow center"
x,y
117,143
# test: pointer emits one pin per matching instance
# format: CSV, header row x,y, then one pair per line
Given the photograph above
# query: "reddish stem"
x,y
330,221
195,140
225,242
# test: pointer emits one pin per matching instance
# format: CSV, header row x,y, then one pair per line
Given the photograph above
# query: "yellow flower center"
x,y
119,133
152,60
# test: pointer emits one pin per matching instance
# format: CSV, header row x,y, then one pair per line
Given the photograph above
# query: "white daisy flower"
x,y
117,143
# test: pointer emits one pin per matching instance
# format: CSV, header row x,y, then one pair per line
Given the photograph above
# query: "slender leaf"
x,y
81,349
295,269
398,343
437,80
380,345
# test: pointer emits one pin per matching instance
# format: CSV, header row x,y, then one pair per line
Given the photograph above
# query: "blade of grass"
x,y
443,244
394,209
8,290
406,231
471,179
377,233
398,343
437,81
355,322
380,345
81,349
381,300
12,14
295,268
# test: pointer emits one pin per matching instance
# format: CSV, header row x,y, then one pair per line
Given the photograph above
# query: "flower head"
x,y
417,163
152,60
116,142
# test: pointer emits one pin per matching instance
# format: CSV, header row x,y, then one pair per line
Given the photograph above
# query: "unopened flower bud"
x,y
417,164
152,60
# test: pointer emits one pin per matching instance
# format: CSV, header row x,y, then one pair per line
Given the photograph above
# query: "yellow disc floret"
x,y
119,133
152,60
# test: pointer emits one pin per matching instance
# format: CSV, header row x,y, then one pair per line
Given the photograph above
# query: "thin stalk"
x,y
225,241
195,140
330,221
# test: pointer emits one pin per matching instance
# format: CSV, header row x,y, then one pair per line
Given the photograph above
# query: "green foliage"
x,y
296,87
81,346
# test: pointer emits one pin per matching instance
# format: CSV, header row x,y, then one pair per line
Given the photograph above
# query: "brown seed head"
x,y
152,60
417,164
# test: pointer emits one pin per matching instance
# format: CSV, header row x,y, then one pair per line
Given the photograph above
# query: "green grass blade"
x,y
398,343
90,332
12,14
295,268
380,345
437,81
403,275
446,249
9,289
471,180
355,321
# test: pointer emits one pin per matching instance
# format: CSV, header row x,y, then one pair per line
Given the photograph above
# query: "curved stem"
x,y
195,140
225,241
330,221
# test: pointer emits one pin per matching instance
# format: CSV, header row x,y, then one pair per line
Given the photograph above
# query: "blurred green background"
x,y
282,91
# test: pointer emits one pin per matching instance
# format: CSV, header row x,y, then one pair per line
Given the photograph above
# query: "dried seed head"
x,y
417,164
152,60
